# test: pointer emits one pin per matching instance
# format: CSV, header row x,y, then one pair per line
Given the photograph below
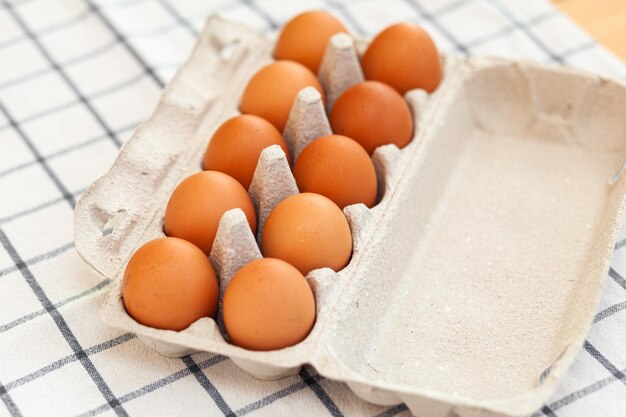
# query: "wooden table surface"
x,y
605,20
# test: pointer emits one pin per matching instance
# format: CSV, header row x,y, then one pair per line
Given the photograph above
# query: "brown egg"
x,y
197,204
373,114
268,305
403,56
271,91
168,284
309,231
305,37
237,144
337,167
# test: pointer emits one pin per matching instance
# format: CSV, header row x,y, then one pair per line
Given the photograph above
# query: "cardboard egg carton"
x,y
475,278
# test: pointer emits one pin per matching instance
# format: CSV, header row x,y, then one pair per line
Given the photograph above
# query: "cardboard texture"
x,y
474,280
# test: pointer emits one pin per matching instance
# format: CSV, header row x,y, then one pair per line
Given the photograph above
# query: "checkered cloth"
x,y
76,77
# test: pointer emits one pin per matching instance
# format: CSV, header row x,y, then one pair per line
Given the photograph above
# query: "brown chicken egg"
x,y
196,206
339,168
309,231
403,56
272,90
268,305
169,283
237,144
373,114
304,38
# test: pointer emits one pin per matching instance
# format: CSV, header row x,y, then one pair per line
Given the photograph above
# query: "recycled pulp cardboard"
x,y
473,281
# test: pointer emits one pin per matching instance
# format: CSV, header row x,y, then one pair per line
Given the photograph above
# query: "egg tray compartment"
x,y
474,280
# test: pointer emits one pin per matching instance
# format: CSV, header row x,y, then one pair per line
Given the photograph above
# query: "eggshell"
x,y
304,38
271,91
405,57
339,168
237,144
169,283
373,114
197,204
268,305
309,231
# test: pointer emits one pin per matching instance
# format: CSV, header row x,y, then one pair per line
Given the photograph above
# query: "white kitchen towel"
x,y
76,77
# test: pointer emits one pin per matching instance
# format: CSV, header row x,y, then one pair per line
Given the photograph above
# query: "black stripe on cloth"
x,y
67,150
583,392
34,38
261,12
146,389
451,7
65,330
548,411
609,311
207,385
320,393
69,359
44,165
617,278
510,29
99,50
65,64
122,39
167,6
359,28
36,208
580,48
8,402
98,94
620,244
65,24
285,392
435,23
23,78
44,256
53,155
347,15
605,362
524,28
160,30
29,317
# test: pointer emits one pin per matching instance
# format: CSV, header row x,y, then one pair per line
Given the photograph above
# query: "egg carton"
x,y
474,279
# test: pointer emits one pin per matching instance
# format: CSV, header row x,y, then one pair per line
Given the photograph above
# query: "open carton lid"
x,y
474,280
